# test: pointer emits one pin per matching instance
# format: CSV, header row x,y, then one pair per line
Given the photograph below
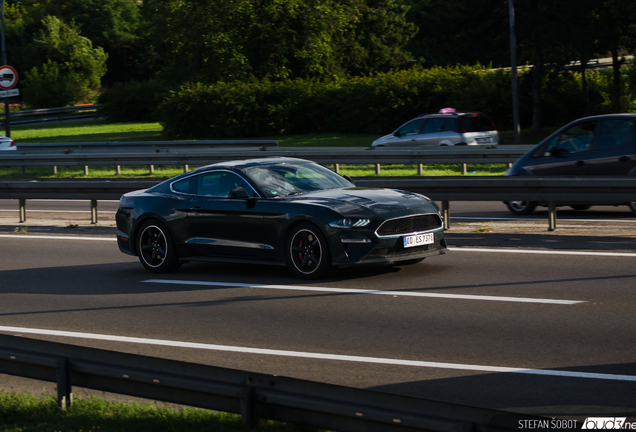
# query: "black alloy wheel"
x,y
307,252
156,250
521,207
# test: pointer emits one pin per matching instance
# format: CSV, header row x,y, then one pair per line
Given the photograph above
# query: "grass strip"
x,y
161,171
25,412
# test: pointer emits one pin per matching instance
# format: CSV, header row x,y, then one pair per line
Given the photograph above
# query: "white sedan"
x,y
7,143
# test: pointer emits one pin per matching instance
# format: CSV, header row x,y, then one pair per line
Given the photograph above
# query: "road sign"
x,y
8,77
9,93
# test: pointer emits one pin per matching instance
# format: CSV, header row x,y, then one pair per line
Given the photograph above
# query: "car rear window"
x,y
477,123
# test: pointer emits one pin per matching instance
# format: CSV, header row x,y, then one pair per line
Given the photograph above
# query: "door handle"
x,y
196,208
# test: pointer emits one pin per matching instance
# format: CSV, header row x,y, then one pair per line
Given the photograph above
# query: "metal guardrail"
x,y
52,114
444,189
175,155
152,147
252,395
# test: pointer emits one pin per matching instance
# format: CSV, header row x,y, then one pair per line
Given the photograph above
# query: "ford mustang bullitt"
x,y
280,211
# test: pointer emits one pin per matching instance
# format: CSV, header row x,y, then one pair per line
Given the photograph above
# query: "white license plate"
x,y
484,140
418,240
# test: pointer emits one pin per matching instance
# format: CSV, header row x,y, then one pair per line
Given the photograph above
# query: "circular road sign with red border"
x,y
8,77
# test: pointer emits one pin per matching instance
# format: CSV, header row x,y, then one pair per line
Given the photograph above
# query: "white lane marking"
x,y
59,211
23,236
319,356
543,252
360,291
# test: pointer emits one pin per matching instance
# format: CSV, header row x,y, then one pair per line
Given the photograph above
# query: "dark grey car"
x,y
602,146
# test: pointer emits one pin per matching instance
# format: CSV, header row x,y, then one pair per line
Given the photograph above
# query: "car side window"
x,y
219,184
450,125
433,125
576,139
615,132
411,128
187,186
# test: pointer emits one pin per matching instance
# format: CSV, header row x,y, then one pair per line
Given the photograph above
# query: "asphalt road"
x,y
541,333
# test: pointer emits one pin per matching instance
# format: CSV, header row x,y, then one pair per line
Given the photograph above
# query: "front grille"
x,y
409,225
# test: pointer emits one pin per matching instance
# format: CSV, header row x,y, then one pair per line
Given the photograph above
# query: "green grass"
x,y
26,413
91,131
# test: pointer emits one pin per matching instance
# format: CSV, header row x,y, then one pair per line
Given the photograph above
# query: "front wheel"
x,y
308,254
156,249
521,207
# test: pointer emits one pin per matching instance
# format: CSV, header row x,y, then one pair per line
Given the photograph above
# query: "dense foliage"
x,y
376,104
282,44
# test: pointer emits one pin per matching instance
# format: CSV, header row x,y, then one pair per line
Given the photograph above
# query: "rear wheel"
x,y
308,254
521,207
156,249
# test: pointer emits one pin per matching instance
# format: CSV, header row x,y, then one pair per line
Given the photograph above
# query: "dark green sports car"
x,y
279,211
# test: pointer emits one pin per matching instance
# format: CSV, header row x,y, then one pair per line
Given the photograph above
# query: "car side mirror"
x,y
346,177
397,134
239,193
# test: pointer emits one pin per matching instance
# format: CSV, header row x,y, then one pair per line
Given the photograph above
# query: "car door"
x,y
222,226
615,150
407,134
431,132
567,153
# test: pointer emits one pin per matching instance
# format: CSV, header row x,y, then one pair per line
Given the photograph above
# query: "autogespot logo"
x,y
607,423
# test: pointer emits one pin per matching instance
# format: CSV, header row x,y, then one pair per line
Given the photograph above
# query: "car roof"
x,y
453,114
242,164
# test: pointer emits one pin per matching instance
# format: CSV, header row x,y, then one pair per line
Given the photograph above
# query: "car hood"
x,y
367,202
384,139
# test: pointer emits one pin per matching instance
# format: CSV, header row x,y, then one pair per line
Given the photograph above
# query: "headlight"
x,y
350,223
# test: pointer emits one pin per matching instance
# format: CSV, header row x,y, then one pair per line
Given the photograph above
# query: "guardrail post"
x,y
118,169
22,210
54,170
420,169
85,170
464,169
152,169
186,168
64,389
93,211
377,169
552,216
446,214
336,168
247,405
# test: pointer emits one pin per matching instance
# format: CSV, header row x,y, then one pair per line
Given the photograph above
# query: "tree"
x,y
72,62
210,40
110,24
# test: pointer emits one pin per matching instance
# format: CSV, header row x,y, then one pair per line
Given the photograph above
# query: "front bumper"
x,y
367,248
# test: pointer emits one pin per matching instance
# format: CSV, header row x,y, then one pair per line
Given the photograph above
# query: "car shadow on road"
x,y
70,229
607,394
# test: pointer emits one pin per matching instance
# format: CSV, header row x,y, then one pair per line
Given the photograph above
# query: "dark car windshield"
x,y
283,179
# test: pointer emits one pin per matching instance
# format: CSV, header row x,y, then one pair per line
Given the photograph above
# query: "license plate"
x,y
419,240
483,140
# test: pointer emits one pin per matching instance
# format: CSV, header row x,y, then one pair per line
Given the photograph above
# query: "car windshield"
x,y
282,179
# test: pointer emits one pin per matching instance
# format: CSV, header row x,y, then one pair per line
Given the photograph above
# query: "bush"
x,y
377,104
133,101
49,87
